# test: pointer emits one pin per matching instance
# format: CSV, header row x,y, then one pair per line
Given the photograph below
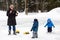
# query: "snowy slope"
x,y
24,23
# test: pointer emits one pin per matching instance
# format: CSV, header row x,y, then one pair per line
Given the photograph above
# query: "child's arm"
x,y
33,26
46,25
31,29
53,25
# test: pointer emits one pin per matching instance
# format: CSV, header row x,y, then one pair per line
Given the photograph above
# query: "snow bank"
x,y
54,14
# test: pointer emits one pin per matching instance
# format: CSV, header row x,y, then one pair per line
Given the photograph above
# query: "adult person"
x,y
12,13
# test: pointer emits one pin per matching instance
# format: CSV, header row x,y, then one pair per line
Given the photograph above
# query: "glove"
x,y
54,26
44,26
30,30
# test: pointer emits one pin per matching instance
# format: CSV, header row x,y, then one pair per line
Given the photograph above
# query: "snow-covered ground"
x,y
24,24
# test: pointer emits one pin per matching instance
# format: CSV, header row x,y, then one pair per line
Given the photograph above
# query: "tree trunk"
x,y
7,4
37,3
26,7
16,4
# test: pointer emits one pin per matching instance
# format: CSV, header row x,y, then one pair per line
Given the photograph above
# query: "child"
x,y
35,28
49,25
11,13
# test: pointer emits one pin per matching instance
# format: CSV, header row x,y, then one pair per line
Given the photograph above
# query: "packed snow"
x,y
25,22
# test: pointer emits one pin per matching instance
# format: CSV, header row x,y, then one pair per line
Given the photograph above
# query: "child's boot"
x,y
33,34
9,32
36,35
33,37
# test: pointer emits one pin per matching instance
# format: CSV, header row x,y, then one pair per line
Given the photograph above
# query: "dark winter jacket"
x,y
35,26
11,17
49,24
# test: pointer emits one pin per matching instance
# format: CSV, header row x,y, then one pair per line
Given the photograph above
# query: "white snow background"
x,y
25,22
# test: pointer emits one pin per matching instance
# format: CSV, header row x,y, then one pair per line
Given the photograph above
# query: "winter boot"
x,y
9,32
14,33
33,37
36,36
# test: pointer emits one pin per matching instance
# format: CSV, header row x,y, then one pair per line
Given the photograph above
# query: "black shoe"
x,y
33,37
49,32
9,34
14,33
36,37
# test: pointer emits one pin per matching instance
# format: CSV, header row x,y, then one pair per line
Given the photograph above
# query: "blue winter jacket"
x,y
49,24
35,26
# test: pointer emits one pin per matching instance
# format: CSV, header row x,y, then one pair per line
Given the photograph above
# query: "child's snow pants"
x,y
35,35
49,29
